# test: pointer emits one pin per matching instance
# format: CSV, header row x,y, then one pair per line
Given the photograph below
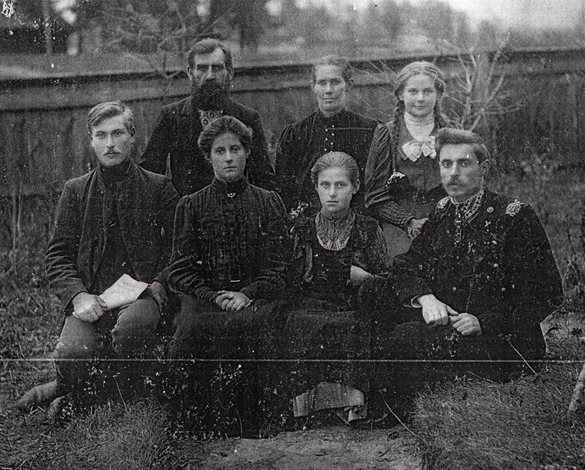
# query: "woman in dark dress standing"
x,y
331,128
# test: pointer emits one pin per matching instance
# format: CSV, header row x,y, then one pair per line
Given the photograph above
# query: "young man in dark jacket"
x,y
115,220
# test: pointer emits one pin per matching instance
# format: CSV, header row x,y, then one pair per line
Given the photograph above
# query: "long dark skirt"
x,y
322,353
218,364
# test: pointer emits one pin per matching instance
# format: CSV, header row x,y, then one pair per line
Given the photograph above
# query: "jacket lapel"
x,y
189,124
98,211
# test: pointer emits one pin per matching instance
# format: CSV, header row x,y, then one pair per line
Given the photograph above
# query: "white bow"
x,y
415,148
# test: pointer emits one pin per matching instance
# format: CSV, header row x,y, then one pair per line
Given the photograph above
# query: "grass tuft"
x,y
475,424
129,437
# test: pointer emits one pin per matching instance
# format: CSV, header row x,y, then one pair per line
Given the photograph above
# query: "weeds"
x,y
129,437
524,428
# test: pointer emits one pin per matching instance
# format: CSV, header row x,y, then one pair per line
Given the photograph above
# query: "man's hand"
x,y
87,307
414,227
159,294
466,324
434,311
358,276
230,301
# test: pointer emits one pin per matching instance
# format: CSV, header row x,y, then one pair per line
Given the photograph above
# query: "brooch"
x,y
514,208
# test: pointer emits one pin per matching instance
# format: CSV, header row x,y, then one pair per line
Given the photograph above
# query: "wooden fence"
x,y
43,134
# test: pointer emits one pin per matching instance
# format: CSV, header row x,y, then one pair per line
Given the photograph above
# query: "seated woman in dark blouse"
x,y
229,259
334,254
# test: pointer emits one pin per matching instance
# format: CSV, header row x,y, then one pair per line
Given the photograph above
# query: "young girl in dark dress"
x,y
402,173
335,253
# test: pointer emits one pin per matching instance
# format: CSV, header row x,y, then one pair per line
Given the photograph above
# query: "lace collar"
x,y
333,234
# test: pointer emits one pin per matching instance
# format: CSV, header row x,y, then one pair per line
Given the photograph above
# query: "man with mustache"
x,y
115,220
479,279
179,124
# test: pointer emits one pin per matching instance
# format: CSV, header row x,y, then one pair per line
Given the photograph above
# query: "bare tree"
x,y
478,91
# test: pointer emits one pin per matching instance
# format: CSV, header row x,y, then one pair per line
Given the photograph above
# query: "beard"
x,y
210,95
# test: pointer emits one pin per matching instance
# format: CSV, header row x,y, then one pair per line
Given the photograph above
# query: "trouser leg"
x,y
133,341
134,333
79,343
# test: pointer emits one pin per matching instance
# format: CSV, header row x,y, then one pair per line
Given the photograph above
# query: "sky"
x,y
536,13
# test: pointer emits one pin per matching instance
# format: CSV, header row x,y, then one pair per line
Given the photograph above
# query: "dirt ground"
x,y
24,441
335,448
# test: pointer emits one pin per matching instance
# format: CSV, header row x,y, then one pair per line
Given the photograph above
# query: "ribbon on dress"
x,y
415,148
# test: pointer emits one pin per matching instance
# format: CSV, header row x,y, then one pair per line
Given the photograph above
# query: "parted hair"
x,y
416,68
223,125
449,135
336,160
343,64
207,46
109,109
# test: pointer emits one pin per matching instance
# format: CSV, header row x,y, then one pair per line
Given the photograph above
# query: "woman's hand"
x,y
414,227
230,301
358,276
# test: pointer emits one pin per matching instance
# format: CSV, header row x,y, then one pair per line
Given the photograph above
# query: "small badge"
x,y
514,208
231,195
490,209
443,203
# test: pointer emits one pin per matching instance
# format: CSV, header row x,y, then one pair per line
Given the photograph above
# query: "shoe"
x,y
38,396
55,408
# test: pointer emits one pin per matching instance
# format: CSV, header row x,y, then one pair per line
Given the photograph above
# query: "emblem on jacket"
x,y
514,208
443,203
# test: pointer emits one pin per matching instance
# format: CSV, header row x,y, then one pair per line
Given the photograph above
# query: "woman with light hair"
x,y
402,173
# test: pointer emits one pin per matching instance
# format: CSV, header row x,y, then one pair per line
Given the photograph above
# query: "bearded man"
x,y
179,124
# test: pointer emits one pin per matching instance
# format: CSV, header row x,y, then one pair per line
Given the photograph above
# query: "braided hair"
x,y
415,68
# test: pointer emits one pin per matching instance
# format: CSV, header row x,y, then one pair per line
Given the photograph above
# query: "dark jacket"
x,y
176,132
146,205
302,143
502,271
229,237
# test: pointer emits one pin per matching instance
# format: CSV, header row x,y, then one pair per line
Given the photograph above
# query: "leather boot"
x,y
40,395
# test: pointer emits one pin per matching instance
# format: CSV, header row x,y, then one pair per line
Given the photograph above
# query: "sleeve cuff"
x,y
414,303
250,293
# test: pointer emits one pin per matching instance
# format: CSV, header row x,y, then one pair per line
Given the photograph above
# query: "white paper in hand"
x,y
123,292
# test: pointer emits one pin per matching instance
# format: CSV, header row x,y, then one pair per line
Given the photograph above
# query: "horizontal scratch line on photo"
x,y
294,360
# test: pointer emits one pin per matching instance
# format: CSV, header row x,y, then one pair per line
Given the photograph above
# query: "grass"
x,y
474,424
128,437
468,424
